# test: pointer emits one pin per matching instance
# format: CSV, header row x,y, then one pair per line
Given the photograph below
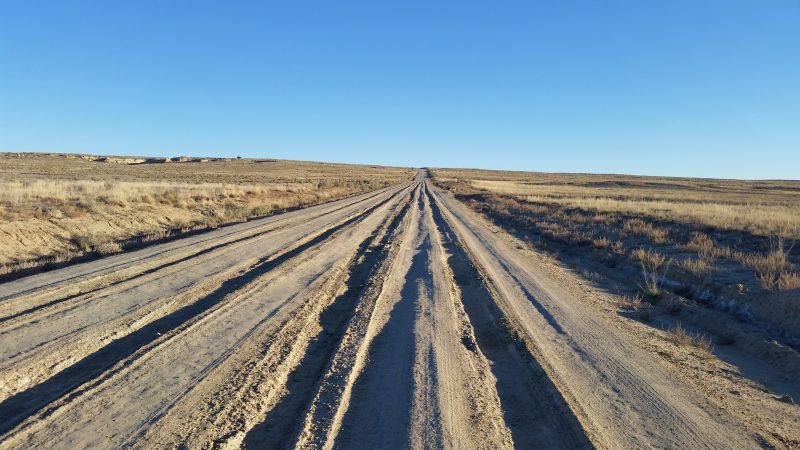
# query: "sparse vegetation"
x,y
723,243
654,267
636,303
642,228
696,266
786,281
760,207
54,208
602,242
682,338
705,248
773,268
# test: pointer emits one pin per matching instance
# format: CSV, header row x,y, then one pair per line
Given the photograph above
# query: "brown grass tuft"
x,y
108,248
705,247
697,267
642,228
654,267
601,243
682,338
773,268
787,281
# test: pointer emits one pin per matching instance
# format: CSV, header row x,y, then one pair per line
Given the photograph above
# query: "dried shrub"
x,y
633,303
696,267
147,199
642,228
650,257
772,268
654,267
787,281
636,303
681,337
107,248
705,247
601,243
261,210
156,235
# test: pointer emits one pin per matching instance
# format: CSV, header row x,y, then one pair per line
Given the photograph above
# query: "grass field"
x,y
727,243
54,208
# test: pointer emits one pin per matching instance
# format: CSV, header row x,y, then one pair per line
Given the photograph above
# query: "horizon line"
x,y
565,172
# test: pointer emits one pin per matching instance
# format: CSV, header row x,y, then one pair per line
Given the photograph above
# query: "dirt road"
x,y
390,320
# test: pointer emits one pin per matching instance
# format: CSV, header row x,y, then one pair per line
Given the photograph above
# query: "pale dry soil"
x,y
394,319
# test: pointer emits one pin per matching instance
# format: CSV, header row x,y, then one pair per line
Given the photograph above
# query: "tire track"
x,y
618,392
324,417
406,379
85,328
18,407
238,395
534,410
285,420
32,300
94,271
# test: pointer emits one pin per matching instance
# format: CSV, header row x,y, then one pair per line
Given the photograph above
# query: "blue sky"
x,y
667,87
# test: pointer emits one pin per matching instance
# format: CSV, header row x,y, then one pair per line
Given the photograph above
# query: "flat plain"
x,y
400,308
56,208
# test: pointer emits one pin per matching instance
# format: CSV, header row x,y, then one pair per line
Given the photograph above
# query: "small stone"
x,y
785,399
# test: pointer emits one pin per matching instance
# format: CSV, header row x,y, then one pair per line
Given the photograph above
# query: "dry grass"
x,y
642,228
773,268
637,304
753,218
650,257
760,207
731,240
602,242
56,207
785,281
654,268
682,338
705,247
696,266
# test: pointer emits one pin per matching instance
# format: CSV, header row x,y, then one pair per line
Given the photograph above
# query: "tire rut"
x,y
406,380
620,393
133,260
323,417
254,378
284,422
18,408
53,356
102,282
534,410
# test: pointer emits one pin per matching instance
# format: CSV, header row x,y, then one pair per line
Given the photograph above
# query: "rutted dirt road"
x,y
389,320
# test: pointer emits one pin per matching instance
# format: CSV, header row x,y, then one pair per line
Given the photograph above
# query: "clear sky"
x,y
667,87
